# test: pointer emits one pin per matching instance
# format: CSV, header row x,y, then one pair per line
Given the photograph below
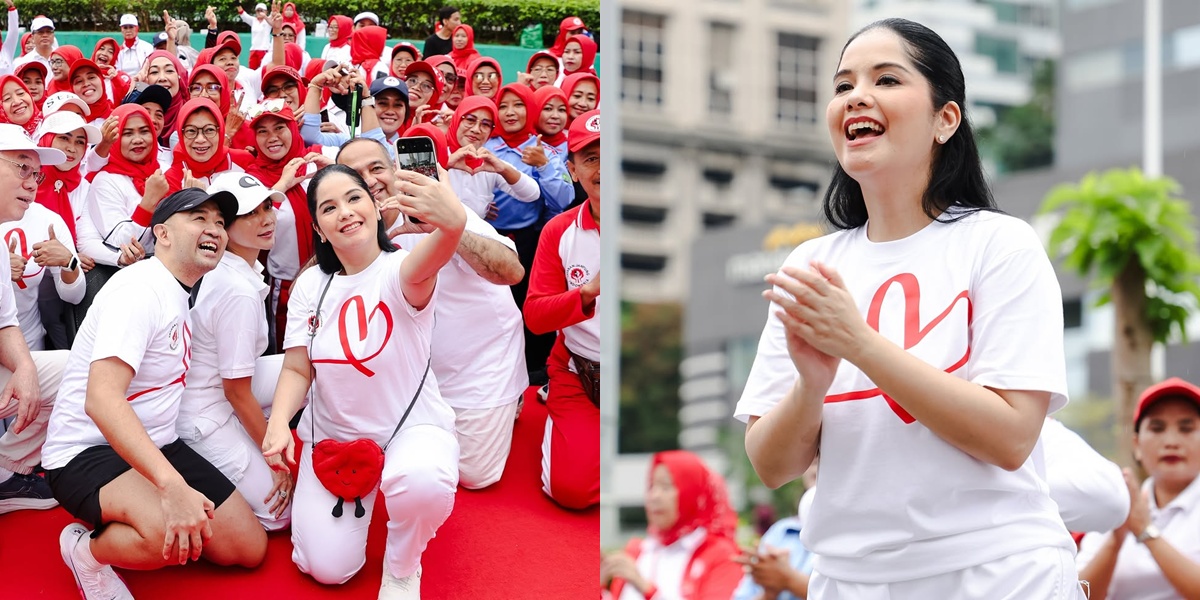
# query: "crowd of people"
x,y
917,351
209,258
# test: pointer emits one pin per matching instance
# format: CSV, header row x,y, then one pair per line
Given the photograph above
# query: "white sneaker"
x,y
544,392
395,588
103,584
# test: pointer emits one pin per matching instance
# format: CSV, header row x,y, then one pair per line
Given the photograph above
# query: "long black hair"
x,y
956,173
327,258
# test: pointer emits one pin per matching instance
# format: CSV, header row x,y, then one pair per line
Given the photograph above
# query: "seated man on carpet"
x,y
478,340
564,286
112,455
28,380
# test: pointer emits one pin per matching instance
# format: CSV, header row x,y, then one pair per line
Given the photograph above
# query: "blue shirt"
x,y
783,535
556,191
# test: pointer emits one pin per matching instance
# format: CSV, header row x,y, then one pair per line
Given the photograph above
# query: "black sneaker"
x,y
25,492
538,377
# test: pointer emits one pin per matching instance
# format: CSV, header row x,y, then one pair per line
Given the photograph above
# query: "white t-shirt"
x,y
1089,489
260,31
896,502
130,60
8,307
369,353
479,336
140,317
229,332
476,191
107,216
1137,575
32,229
665,566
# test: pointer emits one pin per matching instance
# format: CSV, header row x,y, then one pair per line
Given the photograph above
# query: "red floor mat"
x,y
505,542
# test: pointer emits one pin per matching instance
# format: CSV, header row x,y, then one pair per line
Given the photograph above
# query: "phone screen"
x,y
417,154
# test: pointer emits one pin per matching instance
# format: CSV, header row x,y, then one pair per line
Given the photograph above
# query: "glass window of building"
x,y
796,93
721,69
642,58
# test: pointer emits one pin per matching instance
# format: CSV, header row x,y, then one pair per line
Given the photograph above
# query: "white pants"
x,y
1043,573
20,452
484,440
230,449
420,476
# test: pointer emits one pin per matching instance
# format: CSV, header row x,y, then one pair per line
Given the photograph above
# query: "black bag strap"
x,y
314,324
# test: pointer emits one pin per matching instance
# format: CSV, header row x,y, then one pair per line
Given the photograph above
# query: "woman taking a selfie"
x,y
917,349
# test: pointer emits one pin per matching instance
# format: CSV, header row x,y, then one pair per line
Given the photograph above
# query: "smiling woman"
x,y
938,389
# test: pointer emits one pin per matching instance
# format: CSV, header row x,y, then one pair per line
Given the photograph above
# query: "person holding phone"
x,y
364,388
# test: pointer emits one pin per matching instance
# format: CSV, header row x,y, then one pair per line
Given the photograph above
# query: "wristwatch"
x,y
73,264
368,101
1151,532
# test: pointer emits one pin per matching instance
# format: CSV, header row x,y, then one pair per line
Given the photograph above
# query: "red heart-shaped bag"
x,y
349,470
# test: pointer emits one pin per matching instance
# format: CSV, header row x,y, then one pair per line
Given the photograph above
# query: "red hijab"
x,y
219,74
366,45
526,95
295,21
101,108
33,64
35,119
564,32
570,82
69,54
469,88
439,140
177,101
588,46
269,171
53,192
345,29
468,52
218,162
403,47
24,39
109,42
540,98
466,107
293,55
118,164
703,500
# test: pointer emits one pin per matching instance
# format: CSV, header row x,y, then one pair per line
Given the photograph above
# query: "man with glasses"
x,y
43,42
133,51
28,380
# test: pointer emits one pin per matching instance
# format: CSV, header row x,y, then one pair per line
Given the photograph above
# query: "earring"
x,y
941,139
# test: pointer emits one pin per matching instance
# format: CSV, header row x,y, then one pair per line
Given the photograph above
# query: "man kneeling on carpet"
x,y
112,455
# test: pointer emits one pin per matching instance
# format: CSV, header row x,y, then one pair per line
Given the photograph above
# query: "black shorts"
x,y
77,485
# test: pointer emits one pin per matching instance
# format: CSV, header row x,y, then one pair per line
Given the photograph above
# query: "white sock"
x,y
83,554
5,474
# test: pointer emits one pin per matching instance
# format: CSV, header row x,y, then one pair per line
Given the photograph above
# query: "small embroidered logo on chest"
x,y
173,334
577,275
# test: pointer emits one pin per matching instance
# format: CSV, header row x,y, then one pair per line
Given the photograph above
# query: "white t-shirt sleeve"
x,y
1088,488
126,330
390,288
1018,291
483,229
241,323
108,206
525,189
8,305
772,374
302,301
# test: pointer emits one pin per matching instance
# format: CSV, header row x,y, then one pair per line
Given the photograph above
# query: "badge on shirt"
x,y
173,334
577,275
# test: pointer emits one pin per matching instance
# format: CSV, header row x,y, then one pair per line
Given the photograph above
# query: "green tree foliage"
x,y
494,21
1023,136
651,350
1135,238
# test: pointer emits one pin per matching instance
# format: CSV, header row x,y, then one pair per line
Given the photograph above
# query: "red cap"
x,y
584,130
228,39
1171,388
83,63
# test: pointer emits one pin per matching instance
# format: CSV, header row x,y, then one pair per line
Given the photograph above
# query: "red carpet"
x,y
506,542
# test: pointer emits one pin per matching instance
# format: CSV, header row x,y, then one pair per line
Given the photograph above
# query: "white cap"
x,y
128,20
366,15
260,6
55,102
66,122
40,22
249,191
13,137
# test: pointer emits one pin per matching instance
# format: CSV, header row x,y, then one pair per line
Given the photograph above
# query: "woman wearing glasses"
x,y
476,174
201,153
484,78
60,64
453,91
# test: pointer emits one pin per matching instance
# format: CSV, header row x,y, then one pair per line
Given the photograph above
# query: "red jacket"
x,y
711,573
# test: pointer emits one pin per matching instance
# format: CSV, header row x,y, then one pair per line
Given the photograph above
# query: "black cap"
x,y
143,93
189,198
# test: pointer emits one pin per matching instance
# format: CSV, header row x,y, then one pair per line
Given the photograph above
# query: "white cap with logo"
x,y
56,101
129,20
366,15
66,122
41,22
13,138
249,191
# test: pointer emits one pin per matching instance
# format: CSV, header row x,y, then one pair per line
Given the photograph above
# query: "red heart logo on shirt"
x,y
913,332
363,321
